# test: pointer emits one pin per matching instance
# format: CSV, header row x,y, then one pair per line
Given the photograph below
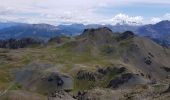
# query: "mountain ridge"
x,y
96,64
159,32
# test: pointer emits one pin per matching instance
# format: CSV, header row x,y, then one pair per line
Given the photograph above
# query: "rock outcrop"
x,y
115,83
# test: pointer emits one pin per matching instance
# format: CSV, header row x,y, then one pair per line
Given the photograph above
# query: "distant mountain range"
x,y
159,32
8,24
19,31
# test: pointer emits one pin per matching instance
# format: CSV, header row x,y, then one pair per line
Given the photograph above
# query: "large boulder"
x,y
43,78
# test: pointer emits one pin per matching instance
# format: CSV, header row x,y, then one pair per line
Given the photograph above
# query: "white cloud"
x,y
161,18
167,16
68,11
125,19
155,20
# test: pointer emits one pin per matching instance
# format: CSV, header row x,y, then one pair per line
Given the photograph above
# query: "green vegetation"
x,y
16,86
158,87
66,54
72,54
126,42
108,49
101,80
81,85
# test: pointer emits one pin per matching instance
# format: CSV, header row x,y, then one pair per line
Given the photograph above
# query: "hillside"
x,y
97,64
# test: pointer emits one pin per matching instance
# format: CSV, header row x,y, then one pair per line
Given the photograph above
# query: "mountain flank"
x,y
95,65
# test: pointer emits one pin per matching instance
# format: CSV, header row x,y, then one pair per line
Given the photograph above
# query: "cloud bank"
x,y
74,11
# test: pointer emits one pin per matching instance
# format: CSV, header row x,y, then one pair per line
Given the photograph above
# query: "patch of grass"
x,y
16,86
80,85
5,76
126,42
66,68
107,50
26,59
5,79
108,78
158,87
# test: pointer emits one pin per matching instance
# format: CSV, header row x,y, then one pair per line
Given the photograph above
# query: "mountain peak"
x,y
97,36
98,31
126,35
164,23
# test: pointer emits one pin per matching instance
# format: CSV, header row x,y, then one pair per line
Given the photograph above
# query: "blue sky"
x,y
85,11
145,10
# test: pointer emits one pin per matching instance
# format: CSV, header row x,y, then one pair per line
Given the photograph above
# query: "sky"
x,y
85,11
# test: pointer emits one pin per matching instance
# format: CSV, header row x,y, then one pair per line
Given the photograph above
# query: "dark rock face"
x,y
167,91
83,75
89,30
99,35
147,60
151,55
102,71
142,74
55,78
110,69
166,69
81,95
115,83
99,29
58,81
60,95
35,75
125,35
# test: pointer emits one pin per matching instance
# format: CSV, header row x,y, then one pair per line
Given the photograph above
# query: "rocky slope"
x,y
96,65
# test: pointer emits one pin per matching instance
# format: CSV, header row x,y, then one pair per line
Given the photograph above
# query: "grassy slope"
x,y
57,54
14,59
61,54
